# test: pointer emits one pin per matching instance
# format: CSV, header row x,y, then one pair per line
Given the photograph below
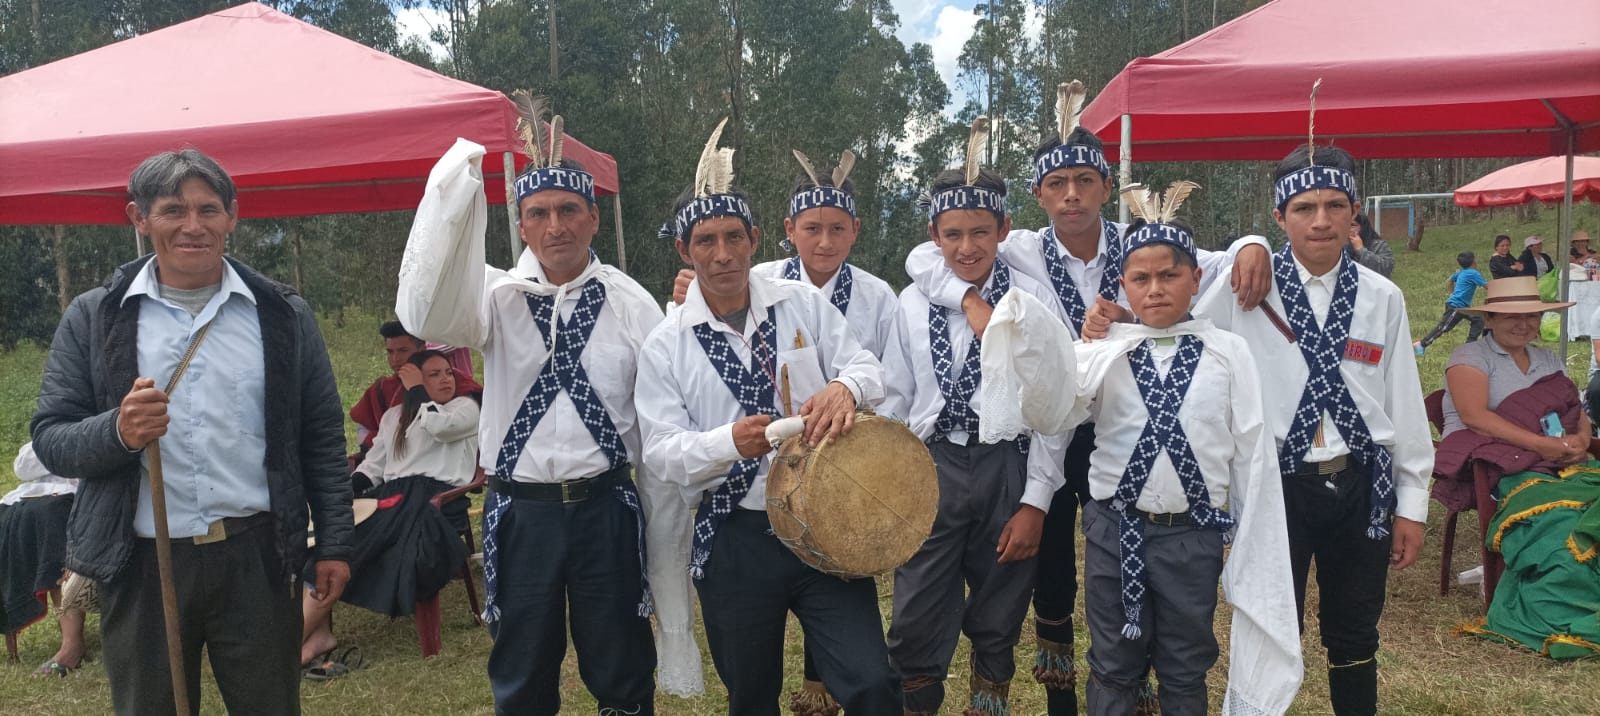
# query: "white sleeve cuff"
x,y
1039,494
1411,502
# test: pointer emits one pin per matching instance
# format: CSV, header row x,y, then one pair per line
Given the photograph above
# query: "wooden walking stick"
x,y
158,510
169,589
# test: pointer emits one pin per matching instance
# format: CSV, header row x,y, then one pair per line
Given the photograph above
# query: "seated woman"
x,y
33,551
406,551
1484,372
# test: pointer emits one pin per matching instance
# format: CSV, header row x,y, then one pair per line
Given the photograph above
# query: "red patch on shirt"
x,y
390,501
1363,352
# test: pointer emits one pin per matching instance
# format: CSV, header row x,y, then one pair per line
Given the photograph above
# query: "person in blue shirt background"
x,y
1464,283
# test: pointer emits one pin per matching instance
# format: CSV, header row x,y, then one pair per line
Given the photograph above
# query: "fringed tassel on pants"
x,y
989,698
1052,666
813,699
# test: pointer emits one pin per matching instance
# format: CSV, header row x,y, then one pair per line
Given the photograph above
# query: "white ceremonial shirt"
x,y
37,481
1222,418
913,390
1388,392
872,303
1023,250
441,443
688,411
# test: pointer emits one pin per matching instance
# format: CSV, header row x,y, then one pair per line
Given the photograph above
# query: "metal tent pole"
x,y
1125,165
622,249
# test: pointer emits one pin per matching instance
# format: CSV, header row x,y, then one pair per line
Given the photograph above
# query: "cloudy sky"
x,y
944,25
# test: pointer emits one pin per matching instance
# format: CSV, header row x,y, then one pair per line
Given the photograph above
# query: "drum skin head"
x,y
856,506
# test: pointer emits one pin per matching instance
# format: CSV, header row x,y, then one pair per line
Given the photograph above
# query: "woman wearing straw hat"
x,y
1482,373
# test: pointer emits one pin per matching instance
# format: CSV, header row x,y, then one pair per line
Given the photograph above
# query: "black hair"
x,y
1326,157
1179,256
564,164
393,329
1465,259
952,178
411,404
1368,234
1078,136
689,195
1499,238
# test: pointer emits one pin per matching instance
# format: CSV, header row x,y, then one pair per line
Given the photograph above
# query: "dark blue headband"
x,y
1303,180
966,196
819,197
1069,155
557,178
1150,234
710,207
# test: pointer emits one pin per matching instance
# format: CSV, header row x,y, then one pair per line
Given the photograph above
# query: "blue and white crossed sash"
x,y
1061,281
1162,399
562,372
957,413
1325,392
753,389
841,287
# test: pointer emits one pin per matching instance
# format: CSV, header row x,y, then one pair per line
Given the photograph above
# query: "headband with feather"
x,y
711,195
544,170
820,195
968,195
1070,97
1312,176
1158,212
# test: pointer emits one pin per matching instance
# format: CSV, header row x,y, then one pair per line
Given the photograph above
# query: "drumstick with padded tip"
x,y
783,429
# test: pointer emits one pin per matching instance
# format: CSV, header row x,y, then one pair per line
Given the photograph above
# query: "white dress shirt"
x,y
36,480
913,389
872,303
1023,250
688,411
1222,417
1388,394
441,443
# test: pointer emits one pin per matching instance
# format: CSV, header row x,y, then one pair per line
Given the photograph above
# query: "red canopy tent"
x,y
1539,180
1423,78
305,121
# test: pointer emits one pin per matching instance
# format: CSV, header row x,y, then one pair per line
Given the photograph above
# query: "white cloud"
x,y
915,13
420,22
952,28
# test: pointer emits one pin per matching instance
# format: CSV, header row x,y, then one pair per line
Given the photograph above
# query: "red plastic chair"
x,y
1481,500
427,617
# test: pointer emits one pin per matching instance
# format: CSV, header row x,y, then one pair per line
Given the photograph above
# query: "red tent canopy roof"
x,y
305,121
1539,180
1422,78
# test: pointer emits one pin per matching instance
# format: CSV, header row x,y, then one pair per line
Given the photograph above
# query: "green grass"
x,y
1425,668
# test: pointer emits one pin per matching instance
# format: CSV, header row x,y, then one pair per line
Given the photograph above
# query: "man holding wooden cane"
x,y
155,396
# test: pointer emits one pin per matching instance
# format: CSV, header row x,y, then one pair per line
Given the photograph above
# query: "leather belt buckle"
x,y
1336,465
574,491
215,532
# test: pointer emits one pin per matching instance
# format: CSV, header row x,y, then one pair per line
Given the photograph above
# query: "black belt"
x,y
1324,469
1168,519
568,491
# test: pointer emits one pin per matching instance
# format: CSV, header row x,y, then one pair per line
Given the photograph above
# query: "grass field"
x,y
1425,669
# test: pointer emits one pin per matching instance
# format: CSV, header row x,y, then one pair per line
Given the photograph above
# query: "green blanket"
x,y
1548,530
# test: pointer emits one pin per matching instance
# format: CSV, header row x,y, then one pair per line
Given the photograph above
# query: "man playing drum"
x,y
560,335
708,386
989,493
1078,255
822,228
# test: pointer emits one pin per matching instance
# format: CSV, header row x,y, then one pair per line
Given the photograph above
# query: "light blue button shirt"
x,y
213,457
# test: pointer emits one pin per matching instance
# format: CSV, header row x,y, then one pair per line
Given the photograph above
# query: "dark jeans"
x,y
1056,593
1448,322
582,557
1327,518
751,584
230,601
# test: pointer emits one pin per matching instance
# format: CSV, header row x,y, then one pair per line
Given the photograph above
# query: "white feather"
x,y
708,162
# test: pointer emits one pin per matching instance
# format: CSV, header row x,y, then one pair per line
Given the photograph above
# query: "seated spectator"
x,y
1368,249
1502,264
1535,262
33,538
406,551
385,392
1481,374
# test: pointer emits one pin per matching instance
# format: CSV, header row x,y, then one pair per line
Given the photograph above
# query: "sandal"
x,y
55,668
334,664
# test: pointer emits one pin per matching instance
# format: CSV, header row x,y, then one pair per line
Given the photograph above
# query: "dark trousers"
x,y
231,601
578,556
751,584
1182,567
1591,399
1327,518
980,490
1057,591
1448,323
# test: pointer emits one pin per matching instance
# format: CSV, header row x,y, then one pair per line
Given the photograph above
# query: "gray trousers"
x,y
231,602
1182,568
953,585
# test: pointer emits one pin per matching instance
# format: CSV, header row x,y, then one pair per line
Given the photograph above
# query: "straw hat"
x,y
1517,294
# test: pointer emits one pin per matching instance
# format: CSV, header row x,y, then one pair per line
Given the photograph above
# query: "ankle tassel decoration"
x,y
813,699
989,698
1053,667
